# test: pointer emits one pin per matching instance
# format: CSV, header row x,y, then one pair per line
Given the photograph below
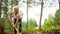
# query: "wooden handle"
x,y
15,28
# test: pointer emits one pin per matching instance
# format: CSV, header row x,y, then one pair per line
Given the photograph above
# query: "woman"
x,y
16,15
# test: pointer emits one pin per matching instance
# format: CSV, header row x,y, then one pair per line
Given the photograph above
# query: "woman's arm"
x,y
10,16
18,17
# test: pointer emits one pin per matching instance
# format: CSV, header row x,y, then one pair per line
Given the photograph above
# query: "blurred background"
x,y
37,14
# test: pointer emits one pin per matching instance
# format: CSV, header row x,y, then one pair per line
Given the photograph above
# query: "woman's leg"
x,y
20,25
14,28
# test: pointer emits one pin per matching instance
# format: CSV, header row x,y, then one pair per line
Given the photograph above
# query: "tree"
x,y
57,17
0,7
24,26
15,2
59,3
41,14
31,25
49,23
4,12
32,3
52,23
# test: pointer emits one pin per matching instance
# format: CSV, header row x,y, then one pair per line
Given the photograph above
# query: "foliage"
x,y
32,24
5,21
57,16
15,2
5,5
52,22
24,26
48,24
29,1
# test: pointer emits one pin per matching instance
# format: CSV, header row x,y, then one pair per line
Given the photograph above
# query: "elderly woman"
x,y
15,14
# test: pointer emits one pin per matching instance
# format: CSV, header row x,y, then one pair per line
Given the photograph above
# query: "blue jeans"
x,y
20,25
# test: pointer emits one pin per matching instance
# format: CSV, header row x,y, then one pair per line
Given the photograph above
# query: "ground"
x,y
42,32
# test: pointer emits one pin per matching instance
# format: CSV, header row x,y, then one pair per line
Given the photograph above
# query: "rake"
x,y
15,28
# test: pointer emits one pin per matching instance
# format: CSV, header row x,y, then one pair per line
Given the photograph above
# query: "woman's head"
x,y
16,9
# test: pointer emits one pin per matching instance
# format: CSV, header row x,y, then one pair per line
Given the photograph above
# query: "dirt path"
x,y
41,32
33,32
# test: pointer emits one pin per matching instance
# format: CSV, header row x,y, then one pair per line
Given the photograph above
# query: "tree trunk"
x,y
59,5
41,14
27,17
0,9
1,29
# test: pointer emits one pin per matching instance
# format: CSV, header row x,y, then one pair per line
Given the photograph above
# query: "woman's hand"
x,y
16,22
10,20
17,17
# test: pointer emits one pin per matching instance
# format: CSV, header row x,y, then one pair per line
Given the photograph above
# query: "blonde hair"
x,y
15,7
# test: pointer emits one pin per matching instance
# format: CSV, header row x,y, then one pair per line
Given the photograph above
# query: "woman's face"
x,y
16,10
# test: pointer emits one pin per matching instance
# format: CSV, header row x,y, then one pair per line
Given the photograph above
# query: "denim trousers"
x,y
20,25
